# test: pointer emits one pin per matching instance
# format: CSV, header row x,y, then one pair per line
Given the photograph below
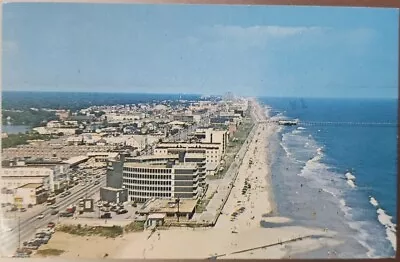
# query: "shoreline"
x,y
248,226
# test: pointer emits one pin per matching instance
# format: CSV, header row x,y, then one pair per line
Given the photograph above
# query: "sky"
x,y
201,49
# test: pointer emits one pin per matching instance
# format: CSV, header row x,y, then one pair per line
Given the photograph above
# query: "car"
x,y
51,224
40,216
122,211
106,215
96,182
66,214
22,209
54,212
7,229
44,240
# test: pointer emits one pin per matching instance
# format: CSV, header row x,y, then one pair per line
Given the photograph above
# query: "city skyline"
x,y
248,50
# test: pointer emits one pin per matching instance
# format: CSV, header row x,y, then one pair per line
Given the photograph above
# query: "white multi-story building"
x,y
164,176
213,151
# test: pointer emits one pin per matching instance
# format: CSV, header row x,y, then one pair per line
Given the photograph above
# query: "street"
x,y
28,226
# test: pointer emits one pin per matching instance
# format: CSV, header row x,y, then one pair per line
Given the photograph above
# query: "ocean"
x,y
339,177
14,129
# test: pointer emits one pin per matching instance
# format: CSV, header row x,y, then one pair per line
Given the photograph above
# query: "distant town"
x,y
141,165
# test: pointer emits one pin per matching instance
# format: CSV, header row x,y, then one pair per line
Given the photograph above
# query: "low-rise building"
x,y
30,194
14,177
167,209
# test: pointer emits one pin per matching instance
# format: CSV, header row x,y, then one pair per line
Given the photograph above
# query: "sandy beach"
x,y
255,227
255,232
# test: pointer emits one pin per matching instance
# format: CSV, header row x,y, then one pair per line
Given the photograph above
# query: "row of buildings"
x,y
177,167
174,170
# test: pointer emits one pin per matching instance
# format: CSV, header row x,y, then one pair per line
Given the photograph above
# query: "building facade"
x,y
30,194
213,152
14,177
164,176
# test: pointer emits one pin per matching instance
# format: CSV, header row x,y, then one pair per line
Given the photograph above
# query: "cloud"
x,y
263,31
253,36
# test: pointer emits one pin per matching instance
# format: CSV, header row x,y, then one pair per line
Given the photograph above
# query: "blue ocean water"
x,y
326,156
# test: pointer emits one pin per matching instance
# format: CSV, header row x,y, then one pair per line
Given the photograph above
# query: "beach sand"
x,y
244,232
256,227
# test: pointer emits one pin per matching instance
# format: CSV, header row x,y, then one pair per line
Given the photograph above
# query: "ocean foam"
x,y
386,220
349,176
362,238
373,201
288,154
351,183
320,150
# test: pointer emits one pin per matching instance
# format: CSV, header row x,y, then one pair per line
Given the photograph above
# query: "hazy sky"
x,y
249,50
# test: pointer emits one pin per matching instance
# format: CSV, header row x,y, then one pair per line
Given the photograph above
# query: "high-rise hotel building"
x,y
164,176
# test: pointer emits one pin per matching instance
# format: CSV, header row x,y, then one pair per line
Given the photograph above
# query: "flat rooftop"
x,y
194,155
31,185
165,206
157,156
149,165
113,189
76,159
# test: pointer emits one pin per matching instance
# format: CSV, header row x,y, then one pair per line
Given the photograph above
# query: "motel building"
x,y
164,176
30,194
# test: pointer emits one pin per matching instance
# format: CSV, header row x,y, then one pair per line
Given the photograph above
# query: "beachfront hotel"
x,y
156,176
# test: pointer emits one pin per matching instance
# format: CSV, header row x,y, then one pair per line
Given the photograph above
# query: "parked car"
x,y
22,209
40,216
51,224
96,182
122,211
106,215
66,214
44,240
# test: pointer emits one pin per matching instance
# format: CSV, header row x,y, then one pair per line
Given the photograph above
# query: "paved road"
x,y
28,226
218,201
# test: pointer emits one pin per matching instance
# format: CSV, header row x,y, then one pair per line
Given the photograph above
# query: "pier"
x,y
330,123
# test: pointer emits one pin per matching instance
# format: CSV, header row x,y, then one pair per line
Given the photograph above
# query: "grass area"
x,y
135,226
202,204
49,252
85,230
14,140
234,146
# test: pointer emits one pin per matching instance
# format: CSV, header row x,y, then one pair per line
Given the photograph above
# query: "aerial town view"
x,y
136,136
